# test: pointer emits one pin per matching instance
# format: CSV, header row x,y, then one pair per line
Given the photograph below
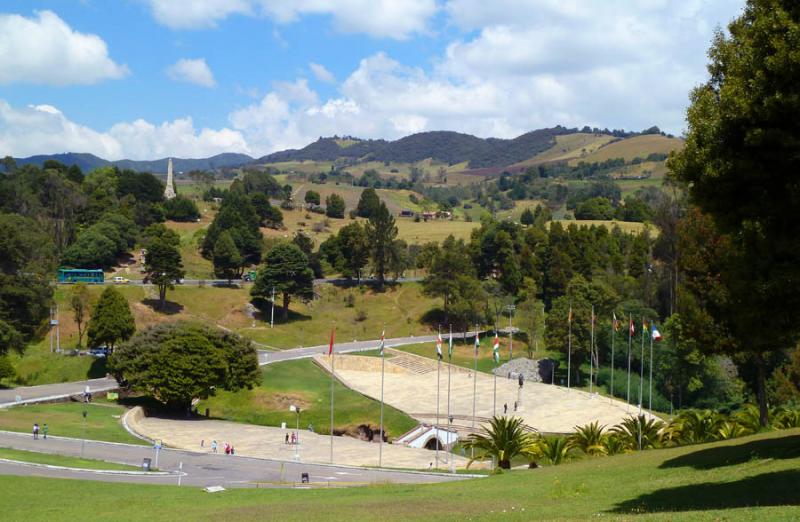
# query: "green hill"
x,y
752,478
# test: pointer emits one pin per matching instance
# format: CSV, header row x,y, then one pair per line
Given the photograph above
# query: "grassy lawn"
x,y
464,354
753,478
66,420
60,460
303,384
401,308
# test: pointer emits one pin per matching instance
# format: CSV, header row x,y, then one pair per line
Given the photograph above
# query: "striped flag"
x,y
330,347
477,342
382,341
439,346
569,315
615,322
496,349
656,334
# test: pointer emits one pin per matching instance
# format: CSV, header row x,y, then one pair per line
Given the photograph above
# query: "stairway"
x,y
414,364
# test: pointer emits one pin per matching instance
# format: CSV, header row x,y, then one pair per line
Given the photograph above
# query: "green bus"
x,y
80,275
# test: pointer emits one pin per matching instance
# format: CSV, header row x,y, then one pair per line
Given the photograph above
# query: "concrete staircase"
x,y
413,364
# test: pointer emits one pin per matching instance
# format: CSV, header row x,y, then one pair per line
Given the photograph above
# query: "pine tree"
x,y
227,261
111,321
381,231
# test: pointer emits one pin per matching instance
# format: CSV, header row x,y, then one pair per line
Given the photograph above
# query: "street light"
x,y
296,409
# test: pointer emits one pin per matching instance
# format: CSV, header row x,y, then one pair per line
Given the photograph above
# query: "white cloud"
x,y
192,71
378,18
43,129
321,73
45,50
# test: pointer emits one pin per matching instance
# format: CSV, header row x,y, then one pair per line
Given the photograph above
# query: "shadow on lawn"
x,y
170,308
779,488
787,447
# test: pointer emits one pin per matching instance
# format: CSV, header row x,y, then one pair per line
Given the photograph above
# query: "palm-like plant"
x,y
555,450
504,439
639,432
730,430
615,444
786,418
749,418
694,426
590,439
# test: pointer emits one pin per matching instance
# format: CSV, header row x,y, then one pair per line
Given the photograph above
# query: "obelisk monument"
x,y
169,192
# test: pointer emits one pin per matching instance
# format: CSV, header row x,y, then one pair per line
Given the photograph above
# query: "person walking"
x,y
213,446
35,430
505,408
44,430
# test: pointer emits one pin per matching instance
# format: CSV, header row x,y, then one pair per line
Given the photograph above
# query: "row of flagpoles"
x,y
593,362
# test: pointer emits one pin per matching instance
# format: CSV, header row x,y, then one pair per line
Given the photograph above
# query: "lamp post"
x,y
296,409
272,314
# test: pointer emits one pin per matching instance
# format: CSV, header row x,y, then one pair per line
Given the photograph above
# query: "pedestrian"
x,y
286,441
35,430
227,449
505,408
44,429
213,446
202,442
294,438
232,452
515,405
310,427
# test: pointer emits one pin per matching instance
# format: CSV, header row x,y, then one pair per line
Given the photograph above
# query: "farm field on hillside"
x,y
570,146
625,226
635,147
752,478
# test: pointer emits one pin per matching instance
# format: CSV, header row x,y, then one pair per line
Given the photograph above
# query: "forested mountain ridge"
x,y
88,162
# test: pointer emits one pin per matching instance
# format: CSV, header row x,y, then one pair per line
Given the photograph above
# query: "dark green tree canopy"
x,y
236,215
286,269
368,203
111,321
177,362
334,206
163,265
227,261
181,208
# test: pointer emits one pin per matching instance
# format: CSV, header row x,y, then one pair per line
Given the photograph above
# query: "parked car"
x,y
99,351
119,280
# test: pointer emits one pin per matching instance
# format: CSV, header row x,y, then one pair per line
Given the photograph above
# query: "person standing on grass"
x,y
44,430
35,430
213,446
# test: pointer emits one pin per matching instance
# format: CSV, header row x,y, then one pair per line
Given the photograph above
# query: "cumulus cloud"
x,y
378,18
43,129
192,71
43,49
321,73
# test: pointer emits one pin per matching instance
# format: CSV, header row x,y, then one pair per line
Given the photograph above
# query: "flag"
x,y
496,349
450,345
631,327
645,325
656,334
330,347
477,342
439,346
569,316
382,341
615,323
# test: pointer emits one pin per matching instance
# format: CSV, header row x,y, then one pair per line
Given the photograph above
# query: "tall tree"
x,y
285,269
368,203
334,206
111,321
177,362
312,197
80,303
354,250
740,162
227,260
381,231
163,266
444,264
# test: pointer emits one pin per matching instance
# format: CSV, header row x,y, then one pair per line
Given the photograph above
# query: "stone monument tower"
x,y
169,192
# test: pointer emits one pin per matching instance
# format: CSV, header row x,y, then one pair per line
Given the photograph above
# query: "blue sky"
x,y
152,78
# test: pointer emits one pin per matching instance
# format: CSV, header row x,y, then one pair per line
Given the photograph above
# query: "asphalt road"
x,y
200,469
265,357
8,397
224,282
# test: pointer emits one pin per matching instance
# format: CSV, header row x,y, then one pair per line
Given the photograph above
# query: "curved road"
x,y
200,469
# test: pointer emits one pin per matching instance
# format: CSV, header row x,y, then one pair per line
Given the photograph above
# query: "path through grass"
x,y
61,460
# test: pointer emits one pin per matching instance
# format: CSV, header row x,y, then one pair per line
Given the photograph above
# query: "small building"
x,y
406,213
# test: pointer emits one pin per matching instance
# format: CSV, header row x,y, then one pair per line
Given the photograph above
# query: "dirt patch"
x,y
280,401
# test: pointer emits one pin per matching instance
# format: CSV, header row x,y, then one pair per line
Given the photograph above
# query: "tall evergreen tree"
x,y
163,266
227,260
381,231
286,269
111,321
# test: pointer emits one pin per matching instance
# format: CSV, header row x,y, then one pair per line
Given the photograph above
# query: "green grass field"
x,y
401,308
753,478
60,460
302,383
66,420
464,354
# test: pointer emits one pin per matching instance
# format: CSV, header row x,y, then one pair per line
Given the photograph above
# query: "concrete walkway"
x,y
412,389
50,392
268,442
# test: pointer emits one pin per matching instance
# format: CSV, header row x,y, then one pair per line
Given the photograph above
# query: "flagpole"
x,y
613,332
630,340
333,359
438,381
591,355
641,370
475,383
383,364
449,366
650,393
569,346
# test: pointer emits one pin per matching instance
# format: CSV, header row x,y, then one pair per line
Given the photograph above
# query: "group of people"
x,y
291,439
226,447
36,430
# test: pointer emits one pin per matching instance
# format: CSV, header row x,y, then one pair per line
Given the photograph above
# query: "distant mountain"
x,y
88,162
443,146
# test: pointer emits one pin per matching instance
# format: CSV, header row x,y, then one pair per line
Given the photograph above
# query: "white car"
x,y
119,280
